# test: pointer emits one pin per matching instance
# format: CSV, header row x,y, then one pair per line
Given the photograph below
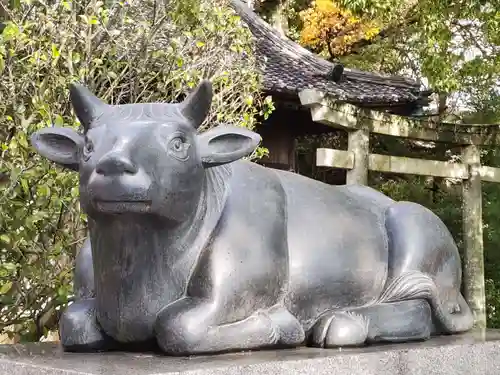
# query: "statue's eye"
x,y
178,148
88,148
177,144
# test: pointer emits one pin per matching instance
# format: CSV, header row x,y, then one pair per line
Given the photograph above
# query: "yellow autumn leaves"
x,y
332,30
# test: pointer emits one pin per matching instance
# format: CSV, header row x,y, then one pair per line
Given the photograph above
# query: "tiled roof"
x,y
290,68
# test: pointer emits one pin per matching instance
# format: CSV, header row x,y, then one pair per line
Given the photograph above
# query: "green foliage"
x,y
327,27
451,43
134,51
491,237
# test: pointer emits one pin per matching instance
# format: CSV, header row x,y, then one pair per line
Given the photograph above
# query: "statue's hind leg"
x,y
424,263
385,322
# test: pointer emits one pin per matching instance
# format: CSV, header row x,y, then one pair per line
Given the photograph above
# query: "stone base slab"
x,y
475,353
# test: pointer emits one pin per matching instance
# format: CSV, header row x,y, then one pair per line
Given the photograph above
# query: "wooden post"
x,y
359,145
474,288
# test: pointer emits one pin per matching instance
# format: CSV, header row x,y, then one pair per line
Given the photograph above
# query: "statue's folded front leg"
x,y
79,330
189,327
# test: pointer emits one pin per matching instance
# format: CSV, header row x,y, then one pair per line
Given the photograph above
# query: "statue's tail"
x,y
452,313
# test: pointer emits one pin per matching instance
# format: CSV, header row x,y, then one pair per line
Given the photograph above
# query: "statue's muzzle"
x,y
118,185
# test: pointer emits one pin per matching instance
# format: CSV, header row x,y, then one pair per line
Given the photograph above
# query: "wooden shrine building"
x,y
289,69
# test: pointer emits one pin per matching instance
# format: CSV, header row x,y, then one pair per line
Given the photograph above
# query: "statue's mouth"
x,y
123,206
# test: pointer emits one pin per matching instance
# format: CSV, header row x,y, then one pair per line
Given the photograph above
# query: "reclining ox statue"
x,y
193,250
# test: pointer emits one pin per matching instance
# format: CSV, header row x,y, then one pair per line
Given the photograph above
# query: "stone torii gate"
x,y
360,122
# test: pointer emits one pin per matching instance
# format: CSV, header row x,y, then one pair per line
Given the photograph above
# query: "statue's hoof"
x,y
291,332
336,329
78,328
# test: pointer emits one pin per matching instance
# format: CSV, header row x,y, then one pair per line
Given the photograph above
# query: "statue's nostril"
x,y
115,164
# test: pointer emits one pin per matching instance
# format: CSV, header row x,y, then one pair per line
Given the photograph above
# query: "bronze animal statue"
x,y
193,250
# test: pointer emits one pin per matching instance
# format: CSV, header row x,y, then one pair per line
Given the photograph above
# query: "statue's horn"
x,y
197,104
87,106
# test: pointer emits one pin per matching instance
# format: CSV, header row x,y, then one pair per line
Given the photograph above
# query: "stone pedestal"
x,y
476,353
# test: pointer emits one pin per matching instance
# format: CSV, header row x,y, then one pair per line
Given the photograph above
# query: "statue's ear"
x,y
225,144
60,145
